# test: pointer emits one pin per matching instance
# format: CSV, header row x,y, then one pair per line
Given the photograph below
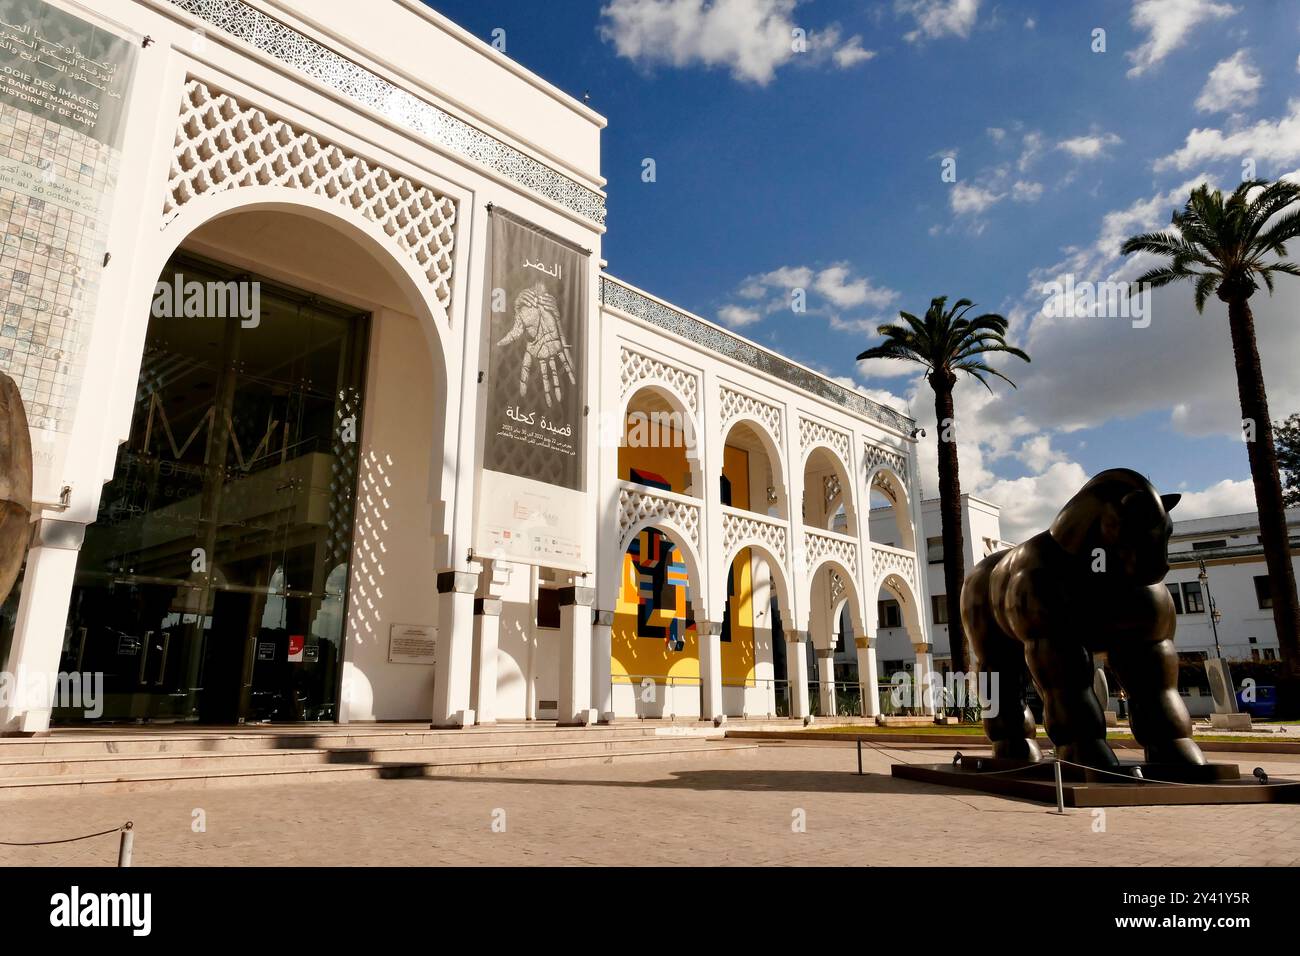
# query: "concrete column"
x,y
710,634
602,651
453,667
796,673
575,656
867,679
487,631
826,680
923,692
41,624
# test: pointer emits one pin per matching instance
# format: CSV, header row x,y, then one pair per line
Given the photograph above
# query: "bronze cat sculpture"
x,y
1089,584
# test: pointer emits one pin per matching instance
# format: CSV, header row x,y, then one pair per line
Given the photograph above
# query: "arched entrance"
x,y
240,562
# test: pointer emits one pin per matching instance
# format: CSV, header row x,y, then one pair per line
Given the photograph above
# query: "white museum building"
x,y
337,415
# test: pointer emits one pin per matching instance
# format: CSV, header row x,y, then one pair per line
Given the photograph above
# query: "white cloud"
x,y
737,316
1168,24
1268,141
751,38
1032,145
938,18
1224,498
843,289
1089,147
1024,191
969,198
830,291
1233,83
996,133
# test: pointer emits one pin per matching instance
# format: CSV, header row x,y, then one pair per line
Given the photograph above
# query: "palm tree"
x,y
1226,247
947,342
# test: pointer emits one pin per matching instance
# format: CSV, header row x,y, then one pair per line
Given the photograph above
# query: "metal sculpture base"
x,y
1213,783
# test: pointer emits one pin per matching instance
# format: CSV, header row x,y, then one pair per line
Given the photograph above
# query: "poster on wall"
x,y
64,87
531,501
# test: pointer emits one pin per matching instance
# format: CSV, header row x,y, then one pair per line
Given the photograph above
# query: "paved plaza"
x,y
740,809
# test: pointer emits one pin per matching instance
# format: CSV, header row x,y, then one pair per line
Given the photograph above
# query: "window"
x,y
1270,653
1210,545
890,614
934,550
548,607
939,608
1263,592
1177,595
1192,597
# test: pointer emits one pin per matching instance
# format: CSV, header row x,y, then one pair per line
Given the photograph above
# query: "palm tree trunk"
x,y
954,562
1268,499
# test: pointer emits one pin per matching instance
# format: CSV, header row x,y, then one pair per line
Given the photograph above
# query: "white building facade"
x,y
277,516
1217,564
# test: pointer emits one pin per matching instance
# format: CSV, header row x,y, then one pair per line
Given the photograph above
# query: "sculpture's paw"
x,y
1182,750
1018,749
1089,753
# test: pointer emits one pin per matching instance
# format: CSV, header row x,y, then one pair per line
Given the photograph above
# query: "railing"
x,y
672,698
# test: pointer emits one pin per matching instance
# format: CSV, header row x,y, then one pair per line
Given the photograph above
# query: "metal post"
x,y
127,845
859,756
1060,787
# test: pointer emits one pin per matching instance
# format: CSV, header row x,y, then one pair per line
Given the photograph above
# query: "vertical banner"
x,y
64,87
531,494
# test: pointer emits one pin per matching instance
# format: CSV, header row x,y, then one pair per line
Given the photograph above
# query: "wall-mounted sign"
x,y
412,643
64,88
531,506
266,651
296,644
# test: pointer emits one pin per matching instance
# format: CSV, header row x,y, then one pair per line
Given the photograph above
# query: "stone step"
x,y
108,742
18,788
384,750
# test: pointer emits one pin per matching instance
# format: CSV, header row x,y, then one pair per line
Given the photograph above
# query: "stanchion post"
x,y
127,845
859,756
1060,787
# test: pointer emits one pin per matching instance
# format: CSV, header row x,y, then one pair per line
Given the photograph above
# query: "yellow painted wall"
x,y
636,657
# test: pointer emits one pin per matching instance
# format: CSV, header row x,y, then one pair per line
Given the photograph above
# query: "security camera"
x,y
918,433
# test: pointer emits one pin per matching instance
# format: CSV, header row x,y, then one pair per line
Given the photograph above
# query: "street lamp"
x,y
1215,616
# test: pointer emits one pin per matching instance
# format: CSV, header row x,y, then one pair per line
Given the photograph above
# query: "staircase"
x,y
116,760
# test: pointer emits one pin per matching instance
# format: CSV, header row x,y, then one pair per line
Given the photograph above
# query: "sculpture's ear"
x,y
1170,501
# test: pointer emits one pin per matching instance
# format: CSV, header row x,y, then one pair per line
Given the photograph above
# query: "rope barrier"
x,y
76,839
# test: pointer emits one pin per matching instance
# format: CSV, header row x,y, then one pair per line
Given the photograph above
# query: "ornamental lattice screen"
x,y
223,143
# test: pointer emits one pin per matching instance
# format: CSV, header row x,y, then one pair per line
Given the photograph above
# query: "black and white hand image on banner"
x,y
536,338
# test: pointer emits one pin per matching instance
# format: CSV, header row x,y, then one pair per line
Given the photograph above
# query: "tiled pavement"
x,y
733,809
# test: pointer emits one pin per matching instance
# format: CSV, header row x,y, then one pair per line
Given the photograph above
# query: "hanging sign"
x,y
531,501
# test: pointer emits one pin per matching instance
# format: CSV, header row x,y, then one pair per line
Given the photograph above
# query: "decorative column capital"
x,y
796,637
488,606
923,648
602,618
57,534
710,628
865,643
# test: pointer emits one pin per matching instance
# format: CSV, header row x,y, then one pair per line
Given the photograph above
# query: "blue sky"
x,y
822,170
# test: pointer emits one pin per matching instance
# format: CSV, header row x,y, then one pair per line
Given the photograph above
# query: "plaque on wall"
x,y
412,643
64,86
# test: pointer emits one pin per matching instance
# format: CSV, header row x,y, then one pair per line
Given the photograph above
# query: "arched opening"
x,y
659,446
890,517
834,623
752,478
899,635
827,493
654,638
754,618
241,557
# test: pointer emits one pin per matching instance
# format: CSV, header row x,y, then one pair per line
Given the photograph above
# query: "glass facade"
x,y
212,586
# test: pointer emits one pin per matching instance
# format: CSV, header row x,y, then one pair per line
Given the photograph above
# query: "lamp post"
x,y
1204,577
